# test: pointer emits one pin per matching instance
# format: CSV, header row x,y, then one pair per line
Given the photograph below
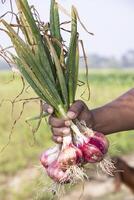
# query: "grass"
x,y
21,139
22,152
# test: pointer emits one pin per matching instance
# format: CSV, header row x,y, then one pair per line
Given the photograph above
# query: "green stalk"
x,y
72,62
48,53
19,64
40,52
34,82
55,26
76,71
56,39
37,117
59,71
24,26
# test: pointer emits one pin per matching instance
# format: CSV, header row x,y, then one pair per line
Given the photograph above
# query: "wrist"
x,y
90,122
94,123
100,119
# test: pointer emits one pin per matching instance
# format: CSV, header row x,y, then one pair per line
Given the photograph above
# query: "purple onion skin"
x,y
91,153
79,154
43,159
69,156
100,141
95,149
56,173
46,160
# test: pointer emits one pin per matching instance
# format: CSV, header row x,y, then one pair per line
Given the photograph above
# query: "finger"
x,y
57,139
47,108
61,131
75,109
57,123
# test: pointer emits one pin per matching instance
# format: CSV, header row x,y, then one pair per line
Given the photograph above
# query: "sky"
x,y
111,21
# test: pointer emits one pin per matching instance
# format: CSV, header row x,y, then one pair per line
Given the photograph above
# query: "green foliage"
x,y
41,55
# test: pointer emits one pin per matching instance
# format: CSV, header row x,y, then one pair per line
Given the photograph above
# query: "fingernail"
x,y
66,131
50,110
59,139
71,114
68,123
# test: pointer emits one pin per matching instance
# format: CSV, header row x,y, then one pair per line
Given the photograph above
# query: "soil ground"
x,y
98,188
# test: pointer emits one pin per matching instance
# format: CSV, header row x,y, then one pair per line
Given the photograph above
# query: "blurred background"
x,y
110,54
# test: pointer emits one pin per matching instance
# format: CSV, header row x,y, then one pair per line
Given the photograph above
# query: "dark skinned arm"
x,y
115,116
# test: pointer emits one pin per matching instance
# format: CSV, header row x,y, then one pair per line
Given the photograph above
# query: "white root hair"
x,y
107,166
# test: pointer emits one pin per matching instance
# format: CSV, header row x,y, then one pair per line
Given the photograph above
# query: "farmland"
x,y
23,150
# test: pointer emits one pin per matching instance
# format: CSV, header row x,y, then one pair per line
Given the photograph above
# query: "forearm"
x,y
115,116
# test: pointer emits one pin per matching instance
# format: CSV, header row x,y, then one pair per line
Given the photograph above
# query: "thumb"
x,y
47,108
75,110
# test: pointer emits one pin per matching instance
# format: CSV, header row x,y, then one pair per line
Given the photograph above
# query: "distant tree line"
x,y
97,61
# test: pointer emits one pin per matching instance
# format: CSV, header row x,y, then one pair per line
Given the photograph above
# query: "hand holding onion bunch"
x,y
76,149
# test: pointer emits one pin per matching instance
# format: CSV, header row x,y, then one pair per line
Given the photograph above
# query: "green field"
x,y
23,152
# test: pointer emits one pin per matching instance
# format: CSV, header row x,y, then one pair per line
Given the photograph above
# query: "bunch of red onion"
x,y
64,163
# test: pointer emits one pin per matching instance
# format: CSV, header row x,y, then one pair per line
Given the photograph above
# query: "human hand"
x,y
61,127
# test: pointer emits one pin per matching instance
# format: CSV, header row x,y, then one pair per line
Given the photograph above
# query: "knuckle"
x,y
45,106
79,102
78,105
81,106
